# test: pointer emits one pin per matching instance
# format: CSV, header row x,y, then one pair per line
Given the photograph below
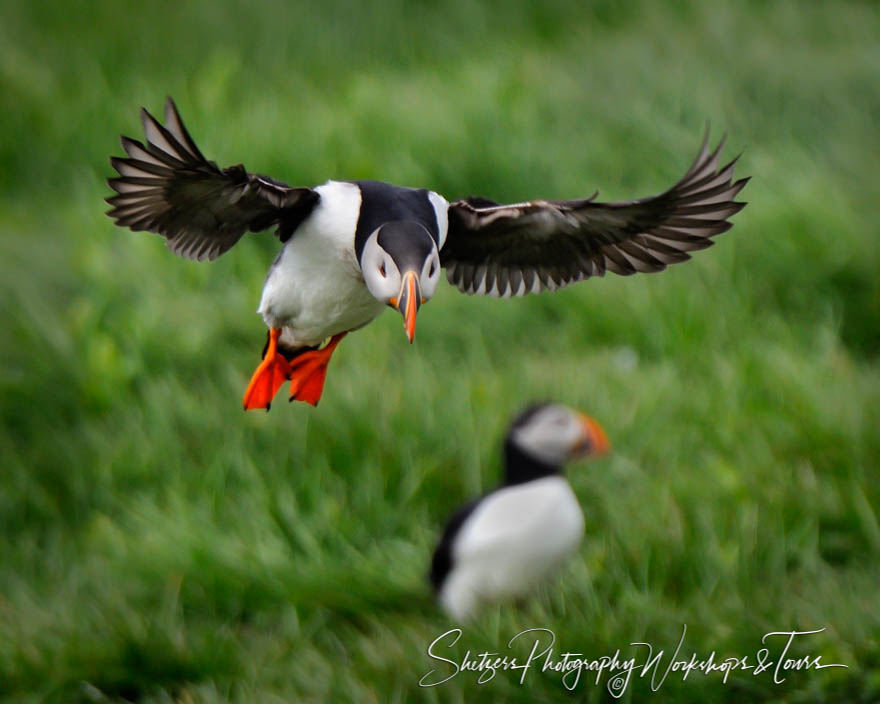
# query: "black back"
x,y
382,203
441,565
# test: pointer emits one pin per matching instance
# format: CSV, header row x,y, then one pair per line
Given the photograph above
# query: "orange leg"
x,y
308,371
273,371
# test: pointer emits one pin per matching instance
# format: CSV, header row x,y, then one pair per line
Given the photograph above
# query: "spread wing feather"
x,y
511,250
166,186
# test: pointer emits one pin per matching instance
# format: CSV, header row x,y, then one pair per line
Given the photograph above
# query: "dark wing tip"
x,y
721,143
706,133
172,115
146,116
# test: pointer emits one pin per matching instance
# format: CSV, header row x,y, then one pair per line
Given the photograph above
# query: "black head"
x,y
401,267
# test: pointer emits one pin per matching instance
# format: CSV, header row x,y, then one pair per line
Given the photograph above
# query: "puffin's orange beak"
x,y
408,302
595,441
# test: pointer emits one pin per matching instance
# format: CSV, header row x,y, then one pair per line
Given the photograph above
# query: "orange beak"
x,y
408,303
595,441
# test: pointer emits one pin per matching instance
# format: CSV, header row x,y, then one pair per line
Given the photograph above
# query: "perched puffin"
x,y
351,248
503,544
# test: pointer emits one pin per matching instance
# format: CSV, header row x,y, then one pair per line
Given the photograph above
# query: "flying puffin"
x,y
353,248
503,544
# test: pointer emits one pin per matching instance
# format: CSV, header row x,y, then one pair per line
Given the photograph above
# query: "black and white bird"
x,y
352,248
508,541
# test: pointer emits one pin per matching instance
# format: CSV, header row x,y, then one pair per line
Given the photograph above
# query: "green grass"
x,y
158,544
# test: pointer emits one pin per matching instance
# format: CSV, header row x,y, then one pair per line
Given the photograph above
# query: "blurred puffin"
x,y
506,542
351,248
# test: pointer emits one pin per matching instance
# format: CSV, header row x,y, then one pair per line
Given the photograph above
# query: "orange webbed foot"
x,y
309,370
272,372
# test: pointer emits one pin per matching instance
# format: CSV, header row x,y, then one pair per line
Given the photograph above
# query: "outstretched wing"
x,y
511,250
166,186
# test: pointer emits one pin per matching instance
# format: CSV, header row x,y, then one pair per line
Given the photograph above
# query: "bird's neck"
x,y
521,467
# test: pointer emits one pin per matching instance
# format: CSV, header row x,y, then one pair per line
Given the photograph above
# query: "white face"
x,y
554,434
383,277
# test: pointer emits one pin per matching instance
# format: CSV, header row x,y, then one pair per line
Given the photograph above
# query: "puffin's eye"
x,y
382,270
433,268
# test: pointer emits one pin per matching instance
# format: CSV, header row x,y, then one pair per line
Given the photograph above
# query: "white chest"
x,y
315,288
517,537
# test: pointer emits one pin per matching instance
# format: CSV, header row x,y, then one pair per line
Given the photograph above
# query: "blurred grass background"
x,y
157,544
